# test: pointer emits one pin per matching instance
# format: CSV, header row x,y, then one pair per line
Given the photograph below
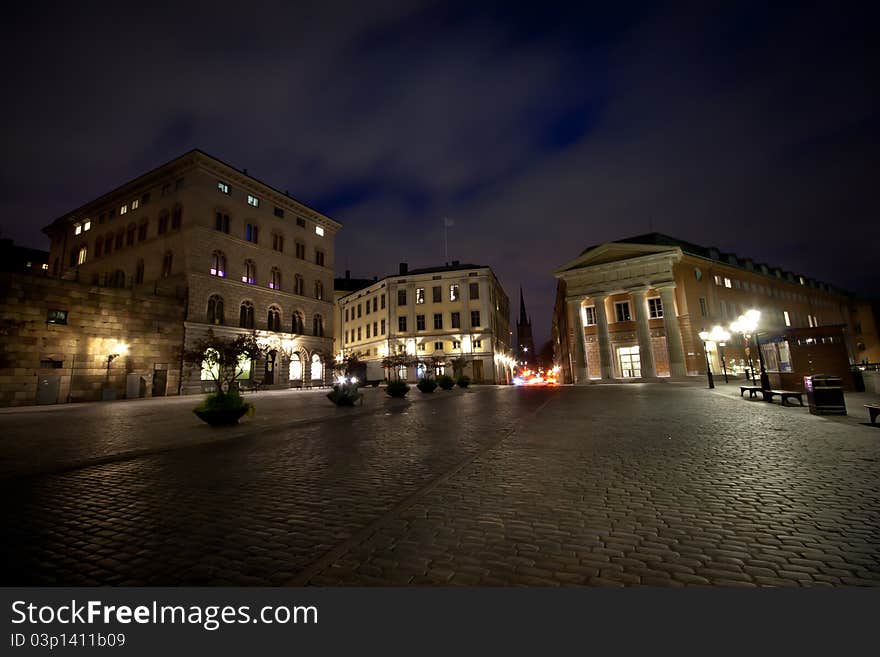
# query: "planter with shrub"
x,y
345,394
223,409
445,381
426,385
397,388
463,381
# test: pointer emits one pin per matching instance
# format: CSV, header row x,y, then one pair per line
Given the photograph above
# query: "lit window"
x,y
438,346
621,308
727,283
453,292
77,229
218,264
250,273
319,231
718,280
787,318
134,204
81,255
254,201
478,344
123,209
420,295
87,225
222,186
590,316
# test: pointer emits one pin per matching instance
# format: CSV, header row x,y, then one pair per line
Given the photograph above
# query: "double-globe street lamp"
x,y
747,326
719,336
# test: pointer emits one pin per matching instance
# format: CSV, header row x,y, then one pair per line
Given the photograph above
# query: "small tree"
x,y
223,357
395,362
349,365
458,365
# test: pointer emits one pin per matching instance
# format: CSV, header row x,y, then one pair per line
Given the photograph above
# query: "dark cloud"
x,y
746,126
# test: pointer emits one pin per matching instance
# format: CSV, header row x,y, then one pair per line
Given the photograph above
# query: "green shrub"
x,y
426,385
397,388
445,381
345,394
228,401
463,381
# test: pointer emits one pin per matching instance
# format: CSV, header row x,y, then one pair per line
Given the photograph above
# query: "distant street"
x,y
655,484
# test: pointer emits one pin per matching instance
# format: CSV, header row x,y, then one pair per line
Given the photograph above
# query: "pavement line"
x,y
212,440
328,558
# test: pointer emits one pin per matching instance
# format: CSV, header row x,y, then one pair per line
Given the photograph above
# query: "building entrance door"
x,y
478,371
160,382
630,362
47,389
269,379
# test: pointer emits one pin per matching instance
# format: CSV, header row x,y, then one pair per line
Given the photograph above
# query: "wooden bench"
x,y
753,391
783,395
873,412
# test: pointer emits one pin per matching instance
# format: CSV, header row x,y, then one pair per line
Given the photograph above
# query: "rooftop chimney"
x,y
403,268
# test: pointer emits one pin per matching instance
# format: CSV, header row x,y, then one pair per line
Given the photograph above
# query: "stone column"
x,y
643,331
579,367
605,357
674,346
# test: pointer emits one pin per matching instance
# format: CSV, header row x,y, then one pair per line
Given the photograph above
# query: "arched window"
x,y
296,323
296,368
250,273
176,217
273,321
143,228
299,285
246,315
118,279
82,254
275,279
163,222
129,234
318,325
218,264
317,368
139,272
167,261
319,290
215,309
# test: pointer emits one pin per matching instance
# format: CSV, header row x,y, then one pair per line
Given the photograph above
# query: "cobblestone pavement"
x,y
657,484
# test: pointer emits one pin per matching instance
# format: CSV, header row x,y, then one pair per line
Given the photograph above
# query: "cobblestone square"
x,y
665,484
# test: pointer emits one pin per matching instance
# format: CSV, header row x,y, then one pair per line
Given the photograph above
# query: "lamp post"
x,y
720,337
704,336
747,325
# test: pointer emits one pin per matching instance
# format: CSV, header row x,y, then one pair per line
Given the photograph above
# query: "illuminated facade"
x,y
458,311
634,309
246,257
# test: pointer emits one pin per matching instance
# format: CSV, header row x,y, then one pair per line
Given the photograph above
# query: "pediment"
x,y
611,252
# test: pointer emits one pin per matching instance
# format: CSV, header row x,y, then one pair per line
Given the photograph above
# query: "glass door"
x,y
630,362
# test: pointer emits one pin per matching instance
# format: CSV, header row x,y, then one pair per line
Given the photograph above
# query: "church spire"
x,y
523,319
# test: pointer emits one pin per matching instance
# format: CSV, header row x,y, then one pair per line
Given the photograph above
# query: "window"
x,y
374,304
163,223
278,212
167,260
359,333
87,225
360,308
453,292
727,282
786,317
475,318
77,229
318,325
382,324
420,295
221,222
401,323
474,290
178,184
142,231
590,316
123,209
420,322
319,258
421,347
166,189
346,314
382,300
252,233
139,271
129,234
56,317
621,309
319,231
222,186
478,344
401,297
275,279
218,264
278,242
718,280
98,244
215,309
456,344
250,273
273,319
299,285
655,308
367,306
297,325
319,290
375,329
438,346
300,222
300,250
296,368
438,321
246,315
120,237
436,294
456,320
368,331
176,217
698,274
82,254
134,204
253,201
704,311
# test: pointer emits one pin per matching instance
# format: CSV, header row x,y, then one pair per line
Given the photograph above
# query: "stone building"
x,y
65,341
454,311
244,255
634,308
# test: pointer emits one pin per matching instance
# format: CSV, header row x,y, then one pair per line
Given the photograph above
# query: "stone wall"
x,y
46,362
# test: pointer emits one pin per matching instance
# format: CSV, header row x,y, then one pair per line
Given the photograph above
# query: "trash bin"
x,y
825,394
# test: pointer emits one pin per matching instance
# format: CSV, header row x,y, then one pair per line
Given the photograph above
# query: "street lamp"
x,y
747,325
704,336
720,337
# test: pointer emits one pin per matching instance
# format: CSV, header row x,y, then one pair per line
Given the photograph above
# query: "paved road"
x,y
657,484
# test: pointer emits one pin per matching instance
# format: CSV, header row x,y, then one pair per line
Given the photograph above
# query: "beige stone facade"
x,y
635,308
57,337
246,257
455,311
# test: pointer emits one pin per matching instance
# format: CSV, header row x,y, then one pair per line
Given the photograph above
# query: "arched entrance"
x,y
271,362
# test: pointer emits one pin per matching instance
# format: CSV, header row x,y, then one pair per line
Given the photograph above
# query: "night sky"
x,y
751,129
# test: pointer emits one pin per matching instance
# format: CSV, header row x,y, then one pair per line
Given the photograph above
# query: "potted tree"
x,y
224,359
396,387
458,365
345,390
426,383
